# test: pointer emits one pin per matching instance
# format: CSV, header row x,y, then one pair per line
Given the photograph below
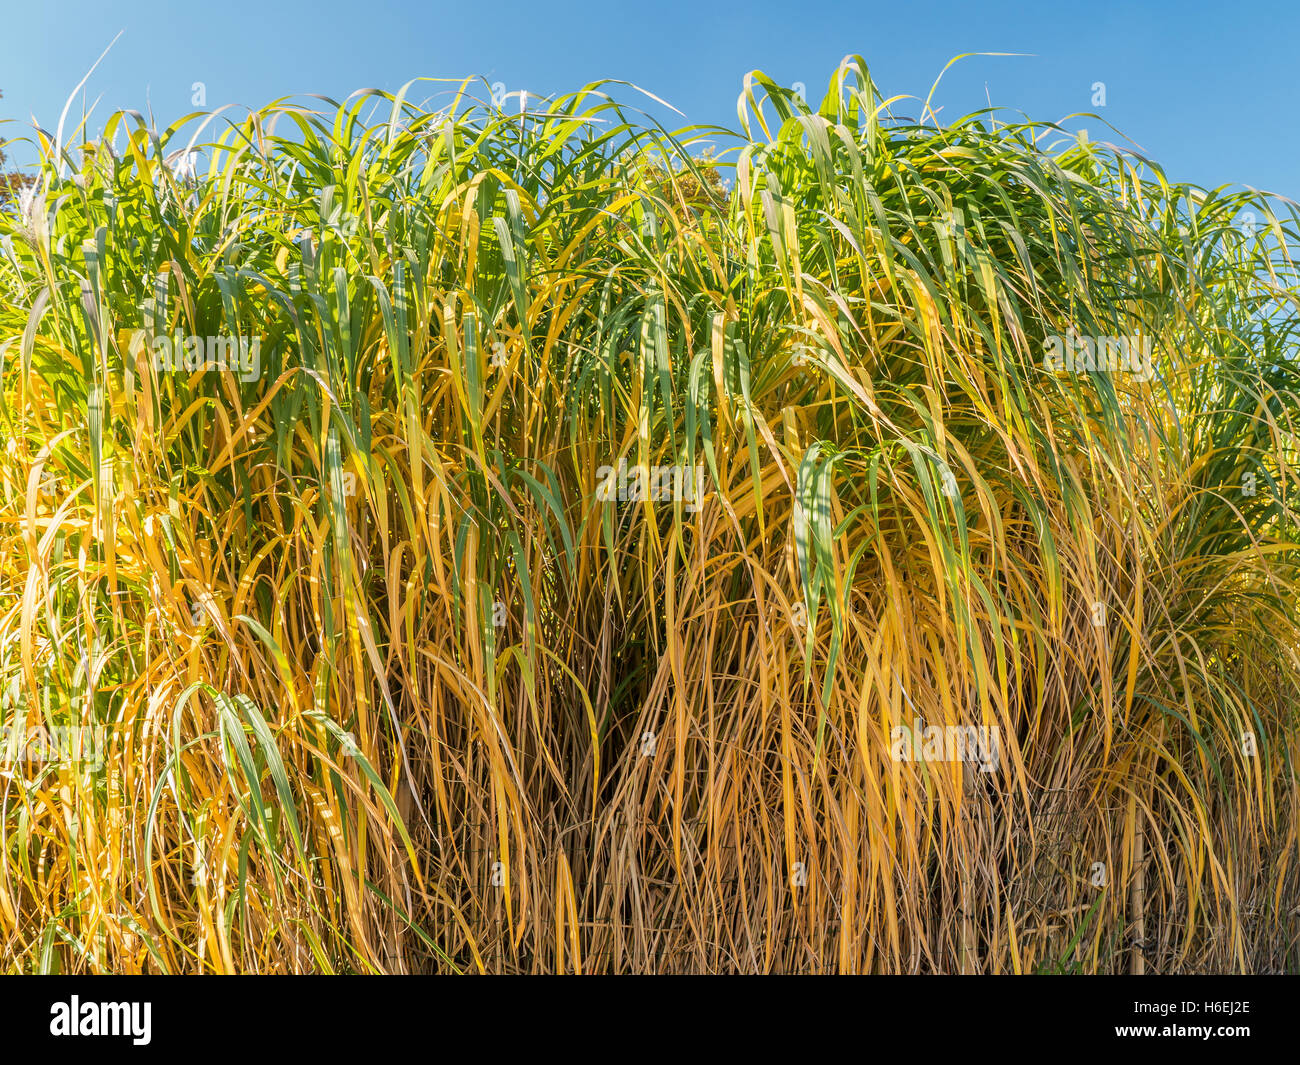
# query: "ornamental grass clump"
x,y
524,542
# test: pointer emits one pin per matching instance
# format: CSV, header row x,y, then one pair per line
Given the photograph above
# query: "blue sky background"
x,y
1210,90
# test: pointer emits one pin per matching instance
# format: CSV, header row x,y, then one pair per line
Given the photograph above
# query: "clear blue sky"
x,y
1209,89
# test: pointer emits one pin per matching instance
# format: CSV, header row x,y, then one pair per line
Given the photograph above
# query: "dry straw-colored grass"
x,y
674,753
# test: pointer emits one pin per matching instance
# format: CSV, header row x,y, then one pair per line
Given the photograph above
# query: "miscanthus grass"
x,y
477,540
